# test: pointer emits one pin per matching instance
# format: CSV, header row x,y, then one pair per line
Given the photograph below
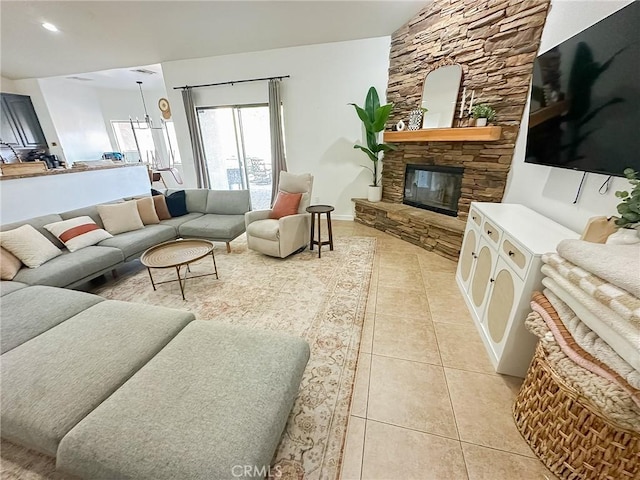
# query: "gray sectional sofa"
x,y
216,215
120,390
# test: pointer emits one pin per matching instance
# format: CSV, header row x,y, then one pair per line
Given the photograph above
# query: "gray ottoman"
x,y
53,381
217,397
8,287
28,312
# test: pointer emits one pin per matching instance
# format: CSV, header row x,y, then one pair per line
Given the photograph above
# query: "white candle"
x,y
464,97
471,101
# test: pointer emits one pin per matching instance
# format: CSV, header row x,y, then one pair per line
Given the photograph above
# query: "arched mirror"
x,y
439,96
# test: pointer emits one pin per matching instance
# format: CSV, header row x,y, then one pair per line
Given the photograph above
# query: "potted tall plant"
x,y
374,117
629,210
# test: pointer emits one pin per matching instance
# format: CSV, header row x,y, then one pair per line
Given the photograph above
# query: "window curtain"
x,y
199,160
278,160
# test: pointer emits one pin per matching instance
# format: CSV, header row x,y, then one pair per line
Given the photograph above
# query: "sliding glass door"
x,y
237,146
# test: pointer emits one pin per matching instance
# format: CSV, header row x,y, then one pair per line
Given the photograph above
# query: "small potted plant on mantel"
x,y
482,114
629,210
374,117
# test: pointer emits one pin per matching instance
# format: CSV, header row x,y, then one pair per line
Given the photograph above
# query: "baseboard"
x,y
342,217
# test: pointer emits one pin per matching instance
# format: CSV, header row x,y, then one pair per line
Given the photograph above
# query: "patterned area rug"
x,y
322,300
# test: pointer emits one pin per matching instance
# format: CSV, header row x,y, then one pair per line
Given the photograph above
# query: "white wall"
x,y
320,126
551,191
23,198
7,85
77,117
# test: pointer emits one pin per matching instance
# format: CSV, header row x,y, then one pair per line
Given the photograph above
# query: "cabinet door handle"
x,y
489,232
473,254
474,217
492,280
511,253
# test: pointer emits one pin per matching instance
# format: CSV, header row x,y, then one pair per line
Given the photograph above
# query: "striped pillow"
x,y
77,233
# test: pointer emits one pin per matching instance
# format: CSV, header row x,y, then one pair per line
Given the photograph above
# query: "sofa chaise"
x,y
120,390
216,215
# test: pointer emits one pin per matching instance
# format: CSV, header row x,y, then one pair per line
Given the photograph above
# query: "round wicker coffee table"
x,y
176,254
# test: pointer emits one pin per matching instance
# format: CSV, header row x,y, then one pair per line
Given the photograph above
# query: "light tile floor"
x,y
427,403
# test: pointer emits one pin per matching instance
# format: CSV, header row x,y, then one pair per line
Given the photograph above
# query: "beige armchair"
x,y
282,237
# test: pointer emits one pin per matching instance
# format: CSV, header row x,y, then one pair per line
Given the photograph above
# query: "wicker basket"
x,y
569,433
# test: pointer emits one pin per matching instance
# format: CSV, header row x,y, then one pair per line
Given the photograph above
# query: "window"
x,y
173,142
165,142
237,146
127,142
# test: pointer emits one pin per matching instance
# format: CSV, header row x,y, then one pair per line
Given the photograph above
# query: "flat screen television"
x,y
585,99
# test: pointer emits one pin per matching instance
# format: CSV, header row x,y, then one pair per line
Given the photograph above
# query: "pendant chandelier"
x,y
147,121
152,157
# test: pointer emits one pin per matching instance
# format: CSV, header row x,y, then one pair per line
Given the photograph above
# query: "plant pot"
x,y
374,194
481,122
624,236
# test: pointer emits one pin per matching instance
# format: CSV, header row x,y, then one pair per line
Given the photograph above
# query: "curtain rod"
x,y
232,82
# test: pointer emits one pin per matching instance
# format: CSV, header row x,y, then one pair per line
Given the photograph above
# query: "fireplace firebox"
x,y
433,187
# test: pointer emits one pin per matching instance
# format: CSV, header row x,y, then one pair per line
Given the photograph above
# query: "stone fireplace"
x,y
433,188
495,42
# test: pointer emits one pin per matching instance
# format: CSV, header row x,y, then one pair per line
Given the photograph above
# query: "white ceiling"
x,y
120,78
101,35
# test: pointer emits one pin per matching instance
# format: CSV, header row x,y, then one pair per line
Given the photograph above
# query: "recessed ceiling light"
x,y
50,26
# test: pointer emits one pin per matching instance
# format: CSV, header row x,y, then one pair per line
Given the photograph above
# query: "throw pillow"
x,y
286,204
9,264
77,233
160,204
29,245
177,203
147,211
120,217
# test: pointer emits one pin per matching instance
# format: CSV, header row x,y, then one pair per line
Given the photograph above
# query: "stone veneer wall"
x,y
495,42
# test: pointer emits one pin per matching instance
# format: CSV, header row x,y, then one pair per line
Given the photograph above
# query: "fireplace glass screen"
x,y
433,188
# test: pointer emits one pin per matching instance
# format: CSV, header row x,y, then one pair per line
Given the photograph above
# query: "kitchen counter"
x,y
64,171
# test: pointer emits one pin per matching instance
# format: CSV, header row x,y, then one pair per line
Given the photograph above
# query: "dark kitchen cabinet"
x,y
8,131
20,125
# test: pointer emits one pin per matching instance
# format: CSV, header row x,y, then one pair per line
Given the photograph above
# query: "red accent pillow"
x,y
286,204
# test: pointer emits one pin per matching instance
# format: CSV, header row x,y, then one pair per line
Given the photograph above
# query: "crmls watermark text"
x,y
253,471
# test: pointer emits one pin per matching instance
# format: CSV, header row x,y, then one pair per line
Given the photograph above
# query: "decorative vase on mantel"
x,y
415,119
481,122
375,193
624,236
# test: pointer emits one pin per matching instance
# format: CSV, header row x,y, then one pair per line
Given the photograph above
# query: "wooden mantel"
x,y
461,134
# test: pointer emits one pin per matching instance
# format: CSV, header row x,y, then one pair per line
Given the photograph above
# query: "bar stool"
x,y
318,210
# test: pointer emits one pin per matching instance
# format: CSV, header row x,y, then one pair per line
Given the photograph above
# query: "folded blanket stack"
x,y
588,321
615,399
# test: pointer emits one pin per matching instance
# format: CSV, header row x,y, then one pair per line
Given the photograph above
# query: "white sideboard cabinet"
x,y
498,269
